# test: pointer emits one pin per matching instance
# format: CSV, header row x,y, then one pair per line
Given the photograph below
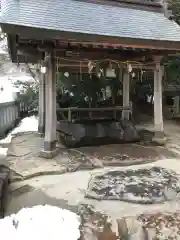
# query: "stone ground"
x,y
172,133
23,156
104,219
68,191
146,185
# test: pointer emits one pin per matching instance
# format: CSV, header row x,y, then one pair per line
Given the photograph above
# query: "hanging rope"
x,y
104,60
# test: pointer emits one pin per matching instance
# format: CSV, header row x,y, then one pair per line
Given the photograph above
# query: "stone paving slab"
x,y
25,145
146,186
105,219
127,154
76,160
34,167
23,156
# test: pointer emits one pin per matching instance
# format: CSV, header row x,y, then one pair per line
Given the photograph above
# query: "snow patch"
x,y
3,152
6,140
28,124
41,223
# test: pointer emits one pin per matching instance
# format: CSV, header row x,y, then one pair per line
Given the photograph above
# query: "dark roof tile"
x,y
88,17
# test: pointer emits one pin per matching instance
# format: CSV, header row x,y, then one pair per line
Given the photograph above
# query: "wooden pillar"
x,y
176,104
158,112
41,124
50,95
126,89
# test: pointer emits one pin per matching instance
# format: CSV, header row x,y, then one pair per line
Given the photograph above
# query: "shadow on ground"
x,y
29,197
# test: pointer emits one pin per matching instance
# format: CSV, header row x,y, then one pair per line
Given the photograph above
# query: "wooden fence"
x,y
10,114
24,108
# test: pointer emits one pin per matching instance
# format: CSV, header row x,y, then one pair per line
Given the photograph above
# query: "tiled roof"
x,y
88,17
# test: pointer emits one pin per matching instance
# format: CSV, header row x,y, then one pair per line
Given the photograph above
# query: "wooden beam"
x,y
144,66
90,54
99,55
82,49
45,34
100,109
84,67
68,45
12,47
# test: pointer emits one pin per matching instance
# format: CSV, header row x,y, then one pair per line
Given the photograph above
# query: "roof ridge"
x,y
156,3
150,5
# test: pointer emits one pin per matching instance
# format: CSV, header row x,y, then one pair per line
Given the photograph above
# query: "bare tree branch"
x,y
32,73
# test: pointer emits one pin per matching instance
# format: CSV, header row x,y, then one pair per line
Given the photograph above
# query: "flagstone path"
x,y
101,220
146,185
67,187
23,157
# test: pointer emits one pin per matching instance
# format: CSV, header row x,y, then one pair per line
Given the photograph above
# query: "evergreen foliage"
x,y
172,63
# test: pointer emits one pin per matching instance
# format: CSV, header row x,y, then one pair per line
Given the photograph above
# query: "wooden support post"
x,y
126,89
176,104
158,112
41,124
50,149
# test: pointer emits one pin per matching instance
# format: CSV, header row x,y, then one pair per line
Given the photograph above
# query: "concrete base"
x,y
49,154
159,139
49,146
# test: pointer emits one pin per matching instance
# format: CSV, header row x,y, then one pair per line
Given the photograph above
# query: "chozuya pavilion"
x,y
140,32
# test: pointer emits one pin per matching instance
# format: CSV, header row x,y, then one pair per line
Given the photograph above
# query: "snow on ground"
x,y
6,140
28,124
41,223
3,152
